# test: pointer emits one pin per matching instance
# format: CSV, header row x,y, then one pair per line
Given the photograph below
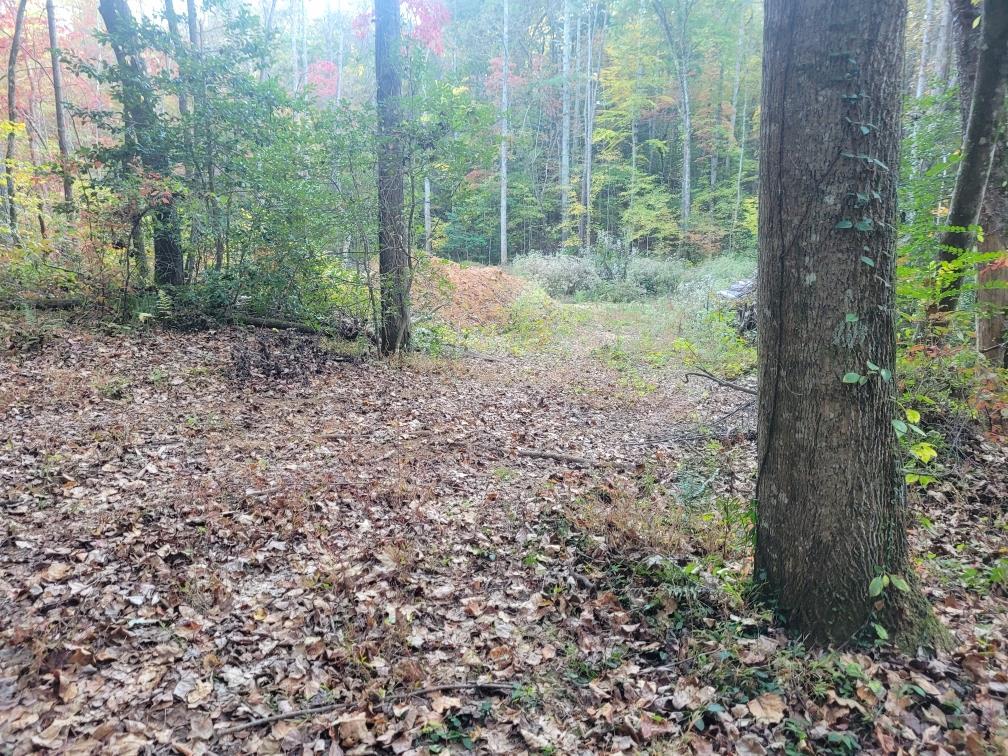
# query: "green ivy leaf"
x,y
868,261
851,318
865,224
845,223
875,587
851,378
880,631
886,375
873,367
900,583
900,427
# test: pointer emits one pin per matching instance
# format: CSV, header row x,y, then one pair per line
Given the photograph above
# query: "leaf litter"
x,y
214,546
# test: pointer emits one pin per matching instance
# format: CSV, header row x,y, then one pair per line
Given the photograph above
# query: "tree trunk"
x,y
12,116
428,227
831,514
687,133
986,111
942,50
393,259
992,278
57,81
715,136
922,64
565,128
738,177
505,74
739,52
679,45
142,135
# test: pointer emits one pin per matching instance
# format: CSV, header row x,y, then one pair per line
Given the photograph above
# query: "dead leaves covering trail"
x,y
184,552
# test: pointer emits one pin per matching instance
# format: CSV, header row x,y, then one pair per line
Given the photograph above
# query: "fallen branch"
x,y
325,708
704,373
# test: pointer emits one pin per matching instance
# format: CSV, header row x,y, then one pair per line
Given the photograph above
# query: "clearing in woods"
x,y
538,544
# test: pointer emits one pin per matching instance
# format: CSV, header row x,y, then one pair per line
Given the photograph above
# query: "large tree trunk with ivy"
x,y
142,136
831,514
393,260
992,277
983,64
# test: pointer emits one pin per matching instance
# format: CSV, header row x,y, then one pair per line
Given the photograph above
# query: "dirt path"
x,y
190,546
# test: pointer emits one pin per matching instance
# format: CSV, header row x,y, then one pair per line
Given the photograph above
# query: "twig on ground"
x,y
325,708
704,373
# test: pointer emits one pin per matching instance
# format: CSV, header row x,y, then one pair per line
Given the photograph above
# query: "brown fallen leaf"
x,y
767,708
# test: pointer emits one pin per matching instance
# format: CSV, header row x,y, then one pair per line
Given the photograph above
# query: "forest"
x,y
504,376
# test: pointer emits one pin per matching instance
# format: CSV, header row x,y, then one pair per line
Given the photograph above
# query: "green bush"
x,y
559,275
654,276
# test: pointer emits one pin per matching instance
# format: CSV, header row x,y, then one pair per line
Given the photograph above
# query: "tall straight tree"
x,y
57,81
992,278
677,34
12,115
505,74
984,63
565,126
393,260
831,543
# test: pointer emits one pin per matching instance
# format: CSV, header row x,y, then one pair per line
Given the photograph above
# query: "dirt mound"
x,y
466,296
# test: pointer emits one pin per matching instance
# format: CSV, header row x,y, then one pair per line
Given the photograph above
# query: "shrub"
x,y
559,275
655,277
616,292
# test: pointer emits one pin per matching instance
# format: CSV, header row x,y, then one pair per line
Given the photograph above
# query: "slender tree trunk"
x,y
738,176
687,134
992,277
565,128
505,75
393,258
591,97
943,49
831,514
428,227
986,111
61,132
12,116
679,45
715,136
739,53
922,64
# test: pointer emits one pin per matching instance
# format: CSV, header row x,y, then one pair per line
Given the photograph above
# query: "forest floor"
x,y
538,545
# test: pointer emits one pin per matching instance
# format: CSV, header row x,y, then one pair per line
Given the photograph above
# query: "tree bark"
x,y
922,63
428,226
831,513
393,258
942,50
505,74
986,112
565,128
12,116
61,132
